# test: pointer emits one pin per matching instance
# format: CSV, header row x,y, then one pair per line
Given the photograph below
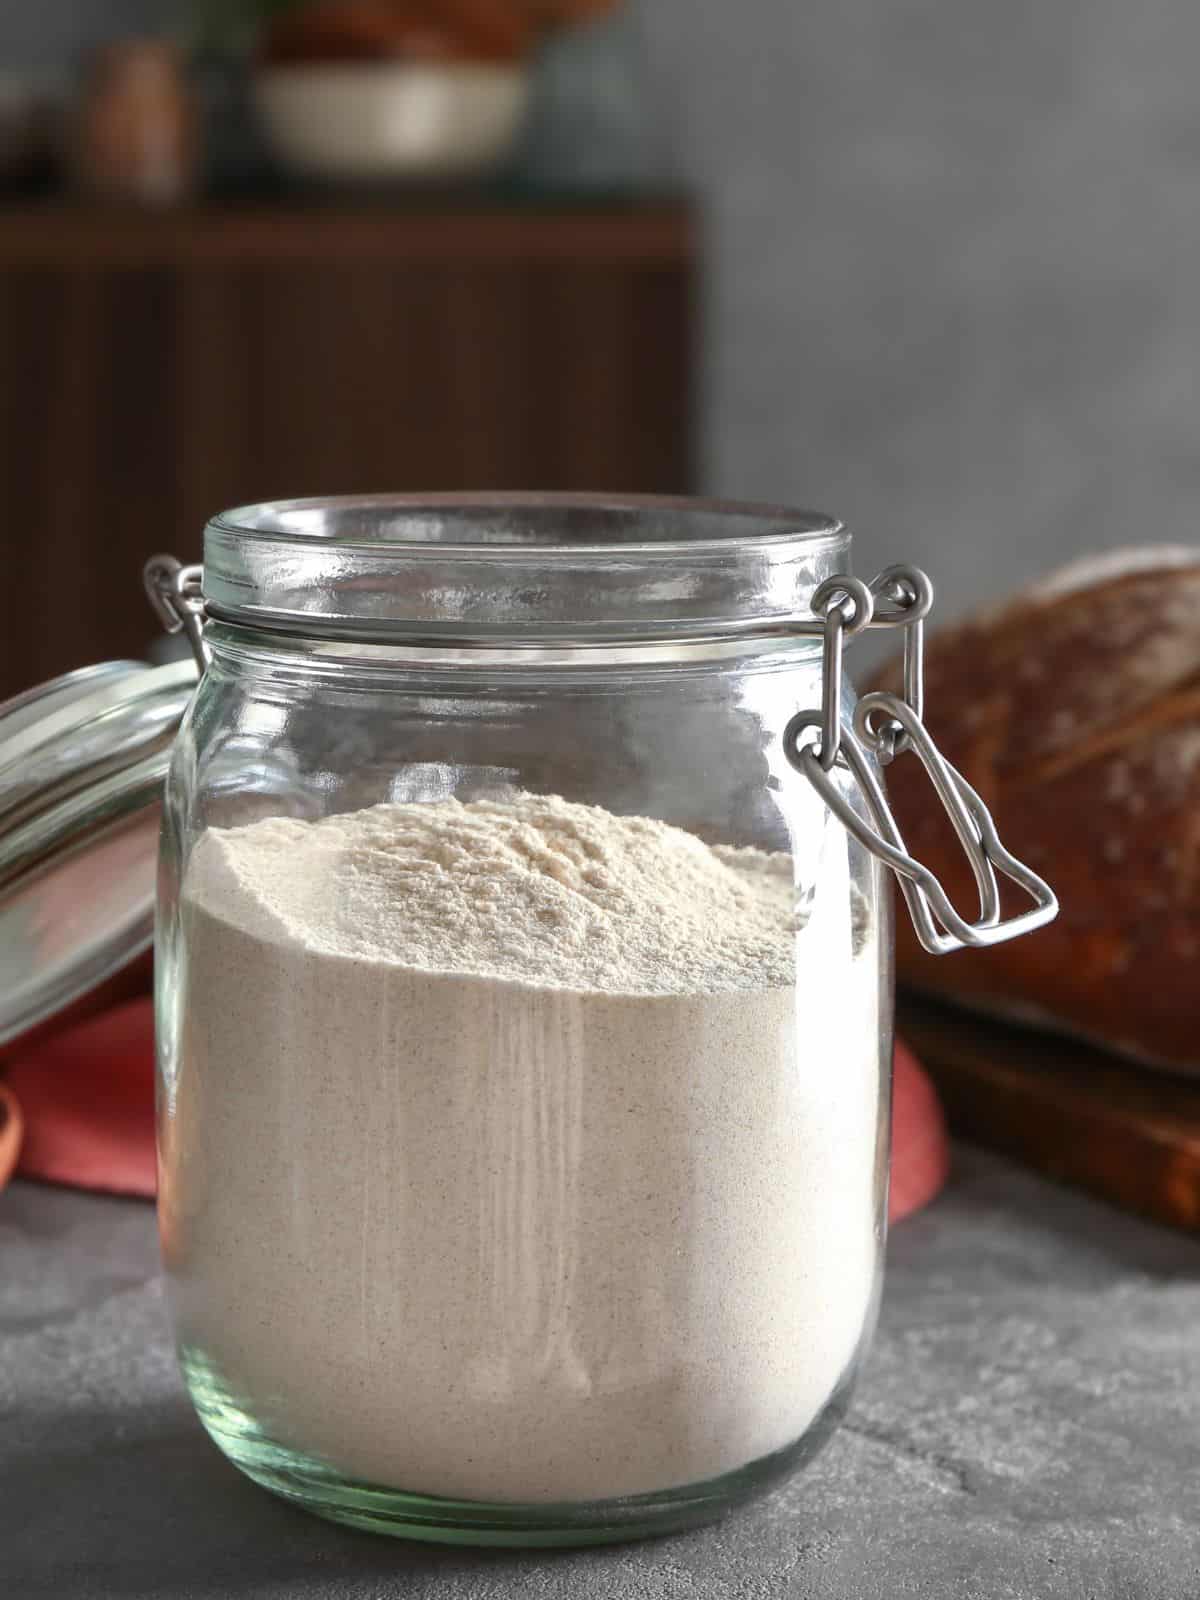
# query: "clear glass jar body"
x,y
496,1264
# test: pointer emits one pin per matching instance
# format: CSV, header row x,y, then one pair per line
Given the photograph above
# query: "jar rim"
x,y
519,565
293,520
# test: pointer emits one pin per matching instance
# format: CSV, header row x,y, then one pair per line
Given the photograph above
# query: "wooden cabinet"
x,y
156,368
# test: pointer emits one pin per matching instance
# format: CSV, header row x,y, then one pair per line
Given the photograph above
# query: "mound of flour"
x,y
536,890
515,1148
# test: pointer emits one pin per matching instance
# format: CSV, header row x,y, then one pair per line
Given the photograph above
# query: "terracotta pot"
x,y
137,131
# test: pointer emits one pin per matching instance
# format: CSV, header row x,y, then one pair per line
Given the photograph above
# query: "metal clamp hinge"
x,y
176,593
883,726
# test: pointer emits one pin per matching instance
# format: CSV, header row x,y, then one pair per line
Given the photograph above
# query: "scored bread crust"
x,y
1075,711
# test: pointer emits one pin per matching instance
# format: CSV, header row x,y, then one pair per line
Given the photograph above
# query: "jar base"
x,y
316,1487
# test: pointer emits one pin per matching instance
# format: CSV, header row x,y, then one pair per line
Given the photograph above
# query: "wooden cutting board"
x,y
1125,1132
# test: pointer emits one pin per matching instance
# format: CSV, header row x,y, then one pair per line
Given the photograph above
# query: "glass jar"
x,y
524,1007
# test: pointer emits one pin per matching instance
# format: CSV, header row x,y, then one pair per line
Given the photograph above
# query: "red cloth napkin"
x,y
12,1132
920,1143
86,1096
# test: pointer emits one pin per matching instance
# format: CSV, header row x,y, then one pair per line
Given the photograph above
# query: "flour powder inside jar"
x,y
612,1228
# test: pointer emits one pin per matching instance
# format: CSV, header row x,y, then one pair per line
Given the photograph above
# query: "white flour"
x,y
507,1157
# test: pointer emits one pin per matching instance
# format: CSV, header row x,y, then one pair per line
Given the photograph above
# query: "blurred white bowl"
x,y
360,121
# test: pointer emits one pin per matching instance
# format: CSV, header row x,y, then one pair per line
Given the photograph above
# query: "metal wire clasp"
x,y
883,726
176,594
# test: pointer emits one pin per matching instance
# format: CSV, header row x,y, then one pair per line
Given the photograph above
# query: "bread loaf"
x,y
1075,711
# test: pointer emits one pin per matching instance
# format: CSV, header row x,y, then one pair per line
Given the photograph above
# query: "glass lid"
x,y
82,762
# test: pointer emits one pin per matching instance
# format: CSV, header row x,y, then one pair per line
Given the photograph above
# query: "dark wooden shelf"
x,y
155,367
614,233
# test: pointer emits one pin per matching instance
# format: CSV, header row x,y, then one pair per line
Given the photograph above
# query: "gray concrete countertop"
x,y
1028,1428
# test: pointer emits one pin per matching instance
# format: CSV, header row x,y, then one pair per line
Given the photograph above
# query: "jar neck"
x,y
246,649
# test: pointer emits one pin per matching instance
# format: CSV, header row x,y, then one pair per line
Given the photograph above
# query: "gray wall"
x,y
52,33
955,267
954,254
